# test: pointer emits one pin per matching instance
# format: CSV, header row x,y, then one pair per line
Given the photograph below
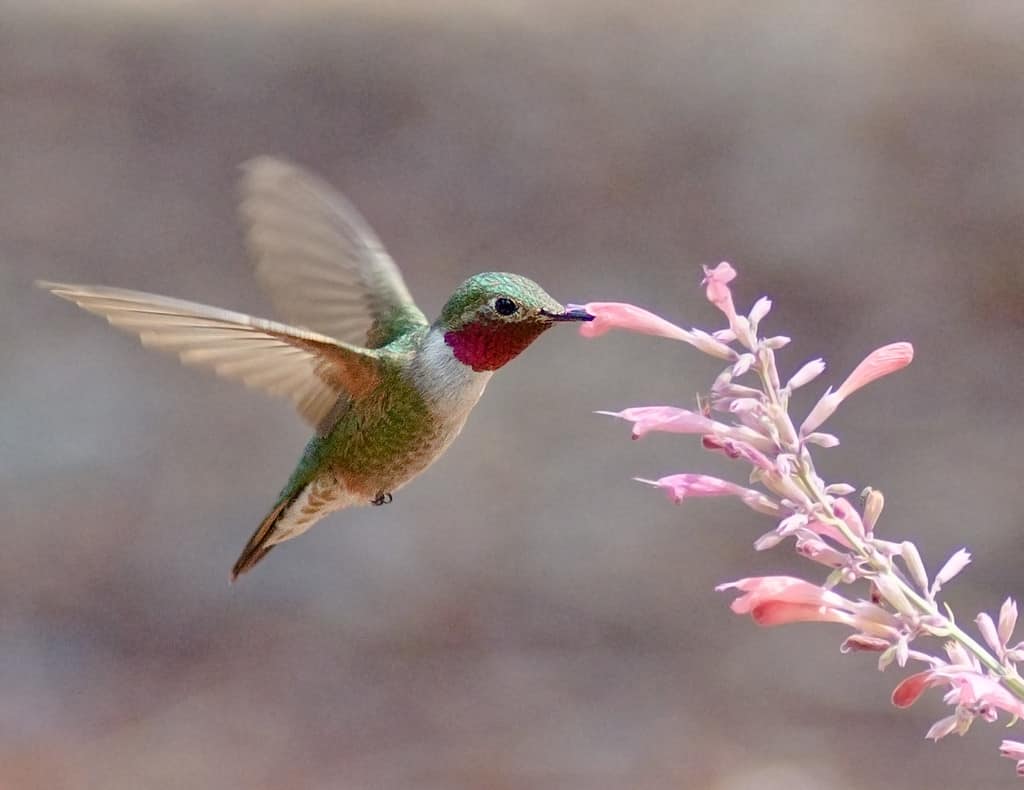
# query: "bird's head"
x,y
493,316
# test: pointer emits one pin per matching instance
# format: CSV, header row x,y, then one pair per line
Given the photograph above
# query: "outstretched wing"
x,y
314,371
319,260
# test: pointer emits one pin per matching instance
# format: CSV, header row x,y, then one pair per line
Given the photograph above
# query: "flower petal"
x,y
880,362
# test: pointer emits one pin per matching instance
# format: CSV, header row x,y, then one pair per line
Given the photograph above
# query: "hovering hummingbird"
x,y
385,390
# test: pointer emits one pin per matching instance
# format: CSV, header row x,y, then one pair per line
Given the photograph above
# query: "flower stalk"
x,y
903,606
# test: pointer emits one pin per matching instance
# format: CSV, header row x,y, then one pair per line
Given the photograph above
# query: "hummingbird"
x,y
385,390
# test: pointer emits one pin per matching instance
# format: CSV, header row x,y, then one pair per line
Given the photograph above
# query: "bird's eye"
x,y
505,306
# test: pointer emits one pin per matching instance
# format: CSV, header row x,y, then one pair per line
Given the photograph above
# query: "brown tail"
x,y
256,549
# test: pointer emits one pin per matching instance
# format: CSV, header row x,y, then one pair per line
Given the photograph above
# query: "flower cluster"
x,y
746,417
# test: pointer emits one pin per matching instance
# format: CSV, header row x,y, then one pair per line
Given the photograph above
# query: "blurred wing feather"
x,y
319,260
312,370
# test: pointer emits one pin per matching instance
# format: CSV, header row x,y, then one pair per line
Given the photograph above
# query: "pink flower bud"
x,y
953,566
1007,620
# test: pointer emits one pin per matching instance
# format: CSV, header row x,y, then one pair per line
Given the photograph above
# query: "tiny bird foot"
x,y
382,499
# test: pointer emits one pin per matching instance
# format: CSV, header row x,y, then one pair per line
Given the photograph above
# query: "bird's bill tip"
x,y
572,313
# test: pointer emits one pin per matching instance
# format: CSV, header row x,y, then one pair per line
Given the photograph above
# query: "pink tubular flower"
x,y
681,486
717,282
880,362
663,418
620,315
776,600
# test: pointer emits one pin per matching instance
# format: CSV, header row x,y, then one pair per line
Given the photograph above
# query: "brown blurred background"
x,y
523,616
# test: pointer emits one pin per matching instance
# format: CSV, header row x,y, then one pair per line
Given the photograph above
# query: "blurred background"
x,y
523,615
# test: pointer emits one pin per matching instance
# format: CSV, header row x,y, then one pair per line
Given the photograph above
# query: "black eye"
x,y
505,306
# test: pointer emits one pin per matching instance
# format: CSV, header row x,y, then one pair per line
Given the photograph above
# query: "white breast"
x,y
450,388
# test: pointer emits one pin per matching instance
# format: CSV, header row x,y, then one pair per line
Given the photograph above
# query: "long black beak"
x,y
572,314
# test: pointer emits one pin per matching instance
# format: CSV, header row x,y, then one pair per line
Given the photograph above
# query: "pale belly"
x,y
385,440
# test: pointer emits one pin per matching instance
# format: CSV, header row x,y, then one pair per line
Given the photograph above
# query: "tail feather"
x,y
258,547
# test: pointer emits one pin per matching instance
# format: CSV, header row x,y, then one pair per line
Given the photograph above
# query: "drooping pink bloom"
x,y
880,362
664,418
776,600
671,419
682,486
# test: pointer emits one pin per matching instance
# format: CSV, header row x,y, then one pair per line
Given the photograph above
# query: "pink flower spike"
x,y
880,362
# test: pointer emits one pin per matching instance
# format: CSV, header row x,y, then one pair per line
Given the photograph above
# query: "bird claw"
x,y
382,498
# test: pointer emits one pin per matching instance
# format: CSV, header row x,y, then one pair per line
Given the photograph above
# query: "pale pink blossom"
x,y
682,486
880,362
669,419
717,282
718,293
